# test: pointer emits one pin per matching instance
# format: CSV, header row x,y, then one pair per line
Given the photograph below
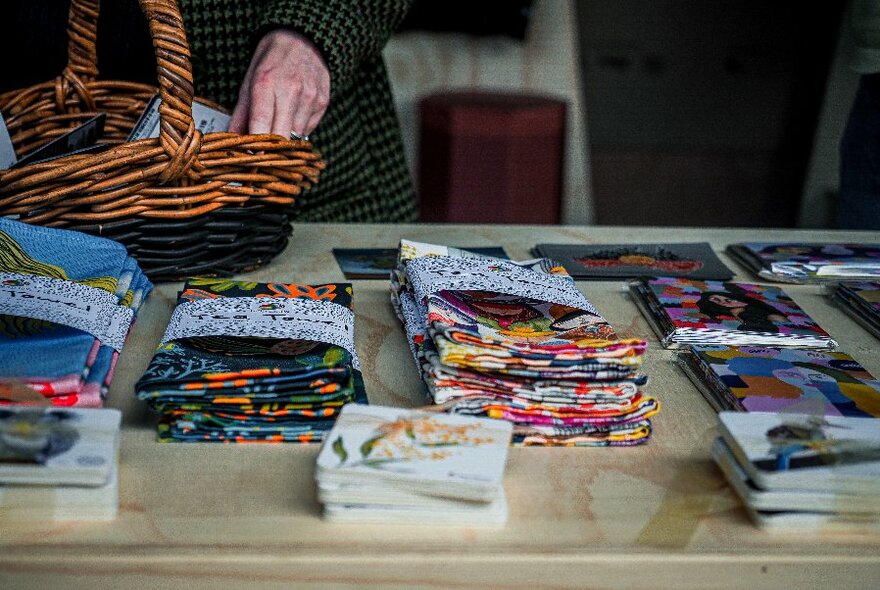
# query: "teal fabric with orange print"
x,y
251,389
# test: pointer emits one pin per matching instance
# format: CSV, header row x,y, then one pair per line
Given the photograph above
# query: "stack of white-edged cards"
x,y
397,465
682,311
798,472
58,464
861,300
798,262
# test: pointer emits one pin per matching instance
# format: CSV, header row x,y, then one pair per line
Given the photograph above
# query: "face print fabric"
x,y
251,389
68,366
534,351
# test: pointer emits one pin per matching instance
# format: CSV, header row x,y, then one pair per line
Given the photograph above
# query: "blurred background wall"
x,y
680,112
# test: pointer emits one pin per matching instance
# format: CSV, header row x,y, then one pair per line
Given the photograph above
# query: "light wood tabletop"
x,y
656,515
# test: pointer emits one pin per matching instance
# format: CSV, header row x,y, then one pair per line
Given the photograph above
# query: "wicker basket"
x,y
234,191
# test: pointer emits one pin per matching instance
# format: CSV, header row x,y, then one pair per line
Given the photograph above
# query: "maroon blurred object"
x,y
491,157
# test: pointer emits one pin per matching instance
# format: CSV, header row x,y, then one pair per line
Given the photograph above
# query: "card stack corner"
x,y
402,466
58,464
802,473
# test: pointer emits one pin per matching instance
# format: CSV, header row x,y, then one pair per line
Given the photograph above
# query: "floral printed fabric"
x,y
558,372
67,366
250,389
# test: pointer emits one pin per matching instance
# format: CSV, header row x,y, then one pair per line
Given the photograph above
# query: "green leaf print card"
x,y
422,452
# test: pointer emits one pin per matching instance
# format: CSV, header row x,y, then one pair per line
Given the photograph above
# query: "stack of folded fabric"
x,y
861,300
396,465
518,341
67,301
801,472
248,362
58,464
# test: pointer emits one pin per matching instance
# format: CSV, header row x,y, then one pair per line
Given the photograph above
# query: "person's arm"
x,y
309,51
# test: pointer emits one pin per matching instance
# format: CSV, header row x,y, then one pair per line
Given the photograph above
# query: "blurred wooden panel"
x,y
546,62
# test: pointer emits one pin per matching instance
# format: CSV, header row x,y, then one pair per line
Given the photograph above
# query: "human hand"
x,y
286,88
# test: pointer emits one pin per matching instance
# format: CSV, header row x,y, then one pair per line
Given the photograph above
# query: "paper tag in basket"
x,y
81,139
7,152
445,273
207,120
92,310
269,317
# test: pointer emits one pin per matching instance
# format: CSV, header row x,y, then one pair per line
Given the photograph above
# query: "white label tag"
x,y
444,273
270,317
207,120
7,151
92,310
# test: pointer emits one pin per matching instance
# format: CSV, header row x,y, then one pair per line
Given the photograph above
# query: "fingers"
x,y
283,120
286,88
302,110
239,121
320,101
262,103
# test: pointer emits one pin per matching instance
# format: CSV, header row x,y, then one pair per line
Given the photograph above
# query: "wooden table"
x,y
657,515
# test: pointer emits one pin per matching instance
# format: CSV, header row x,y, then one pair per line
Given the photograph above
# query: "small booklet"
x,y
609,261
788,500
803,452
684,311
809,262
761,379
376,263
54,446
861,300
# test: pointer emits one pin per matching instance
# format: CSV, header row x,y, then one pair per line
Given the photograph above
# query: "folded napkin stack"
x,y
520,342
67,301
254,362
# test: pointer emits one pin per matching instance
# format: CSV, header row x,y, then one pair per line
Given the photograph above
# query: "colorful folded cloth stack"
x,y
58,464
520,342
254,362
67,302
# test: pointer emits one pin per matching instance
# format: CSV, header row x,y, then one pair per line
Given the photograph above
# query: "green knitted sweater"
x,y
366,178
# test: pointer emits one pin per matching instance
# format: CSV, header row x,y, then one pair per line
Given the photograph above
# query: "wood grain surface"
x,y
654,516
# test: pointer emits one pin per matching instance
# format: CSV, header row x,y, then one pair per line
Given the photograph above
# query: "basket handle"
x,y
82,35
177,133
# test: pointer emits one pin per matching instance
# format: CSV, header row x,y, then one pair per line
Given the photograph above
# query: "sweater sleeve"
x,y
347,32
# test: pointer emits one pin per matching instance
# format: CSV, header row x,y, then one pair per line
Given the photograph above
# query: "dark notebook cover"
x,y
600,261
